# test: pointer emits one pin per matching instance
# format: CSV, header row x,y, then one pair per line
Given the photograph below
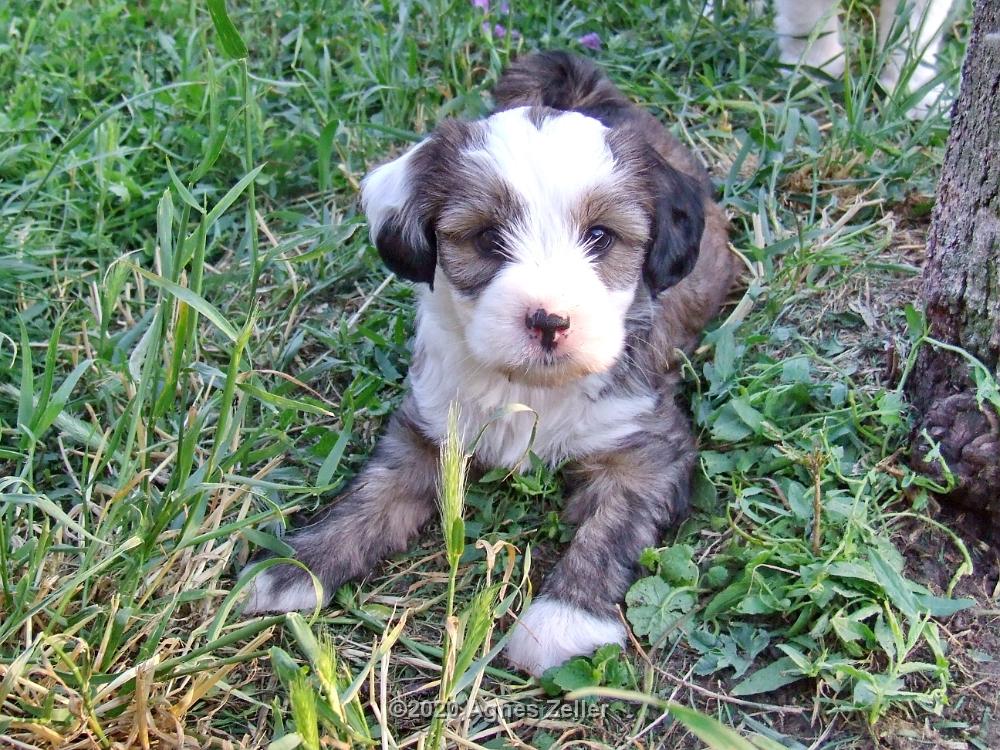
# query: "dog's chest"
x,y
568,422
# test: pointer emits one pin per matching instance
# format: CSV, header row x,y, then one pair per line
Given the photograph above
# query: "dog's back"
x,y
566,82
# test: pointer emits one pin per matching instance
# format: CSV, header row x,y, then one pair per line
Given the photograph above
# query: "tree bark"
x,y
961,282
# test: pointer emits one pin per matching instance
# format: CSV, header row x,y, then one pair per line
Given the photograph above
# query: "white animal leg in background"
x,y
914,50
809,34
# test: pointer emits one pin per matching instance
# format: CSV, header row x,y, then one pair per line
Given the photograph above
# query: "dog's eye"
x,y
598,240
490,243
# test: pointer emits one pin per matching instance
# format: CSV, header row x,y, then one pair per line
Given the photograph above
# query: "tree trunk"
x,y
961,282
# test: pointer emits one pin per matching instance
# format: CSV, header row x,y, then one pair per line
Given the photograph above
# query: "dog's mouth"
x,y
549,369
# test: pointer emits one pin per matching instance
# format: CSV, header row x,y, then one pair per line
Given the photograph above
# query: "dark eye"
x,y
598,239
490,243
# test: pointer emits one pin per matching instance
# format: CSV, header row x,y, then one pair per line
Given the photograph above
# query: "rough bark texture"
x,y
961,282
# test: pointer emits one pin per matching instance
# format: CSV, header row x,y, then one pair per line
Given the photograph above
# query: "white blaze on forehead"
x,y
550,167
565,153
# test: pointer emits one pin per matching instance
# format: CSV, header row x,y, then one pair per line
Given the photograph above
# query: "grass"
x,y
201,342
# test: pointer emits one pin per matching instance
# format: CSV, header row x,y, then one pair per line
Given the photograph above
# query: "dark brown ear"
x,y
678,223
399,219
408,247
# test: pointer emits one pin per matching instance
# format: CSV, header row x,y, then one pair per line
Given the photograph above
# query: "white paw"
x,y
928,103
550,632
276,590
823,53
935,97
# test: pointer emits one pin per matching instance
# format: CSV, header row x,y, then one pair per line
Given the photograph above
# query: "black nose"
x,y
547,324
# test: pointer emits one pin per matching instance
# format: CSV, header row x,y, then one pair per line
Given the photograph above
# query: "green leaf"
x,y
51,356
49,508
655,607
164,233
185,295
725,354
775,675
677,566
211,148
727,598
885,638
283,402
893,583
838,394
332,460
728,426
736,649
800,499
230,197
230,39
850,630
269,542
916,324
649,559
324,154
606,653
716,576
849,569
283,665
710,731
182,191
704,495
795,370
940,606
890,409
750,416
987,389
304,635
288,742
26,402
573,675
59,399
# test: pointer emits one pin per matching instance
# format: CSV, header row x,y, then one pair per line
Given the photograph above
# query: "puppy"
x,y
564,247
809,34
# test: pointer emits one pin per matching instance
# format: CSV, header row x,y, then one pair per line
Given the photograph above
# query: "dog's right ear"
x,y
399,220
678,223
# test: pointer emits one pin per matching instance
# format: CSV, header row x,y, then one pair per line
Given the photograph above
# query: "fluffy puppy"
x,y
565,246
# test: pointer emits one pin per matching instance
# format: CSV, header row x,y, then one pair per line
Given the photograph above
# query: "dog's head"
x,y
542,227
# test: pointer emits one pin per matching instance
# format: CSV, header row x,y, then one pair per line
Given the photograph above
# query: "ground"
x,y
201,342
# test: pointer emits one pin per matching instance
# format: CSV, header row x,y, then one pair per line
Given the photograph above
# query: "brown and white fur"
x,y
565,247
809,34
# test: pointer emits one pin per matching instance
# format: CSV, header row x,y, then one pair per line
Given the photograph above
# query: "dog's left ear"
x,y
678,223
399,218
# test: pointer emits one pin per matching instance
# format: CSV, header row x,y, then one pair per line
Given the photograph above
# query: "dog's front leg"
x,y
622,501
377,515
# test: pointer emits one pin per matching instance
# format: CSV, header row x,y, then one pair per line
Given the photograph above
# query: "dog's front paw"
x,y
283,588
825,54
550,631
329,549
290,588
